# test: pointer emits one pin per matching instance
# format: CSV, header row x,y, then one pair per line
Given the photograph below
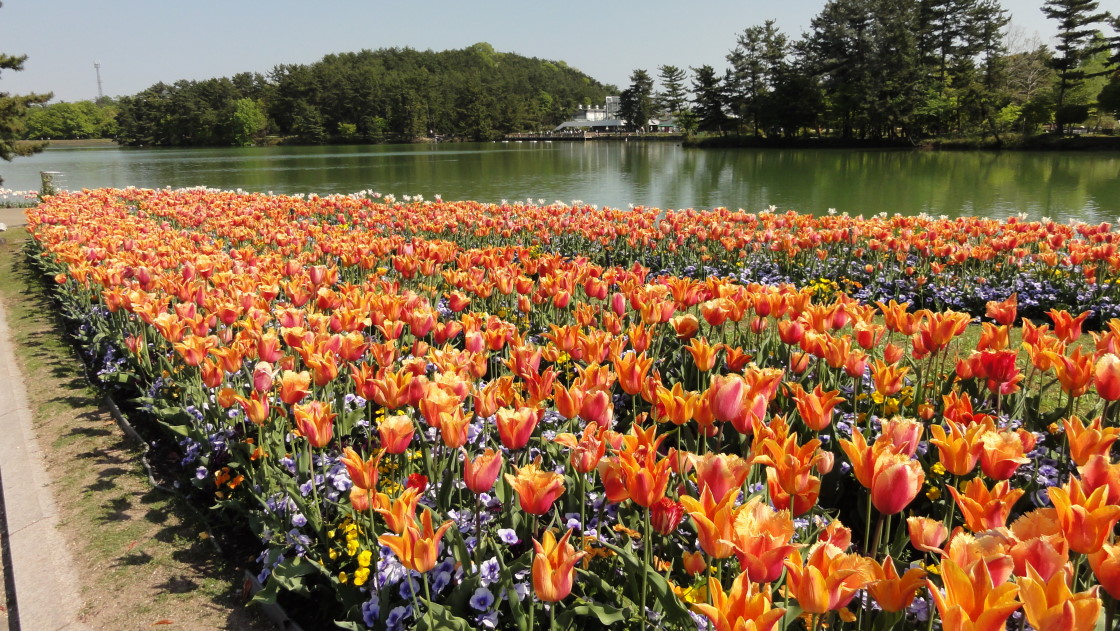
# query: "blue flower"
x,y
490,571
442,580
298,520
482,599
508,536
371,611
397,616
409,588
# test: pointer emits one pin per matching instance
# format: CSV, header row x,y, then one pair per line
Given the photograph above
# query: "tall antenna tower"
x,y
97,67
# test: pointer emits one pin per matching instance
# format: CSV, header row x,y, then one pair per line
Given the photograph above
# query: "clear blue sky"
x,y
142,42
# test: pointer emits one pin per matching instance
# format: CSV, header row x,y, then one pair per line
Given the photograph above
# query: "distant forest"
x,y
387,95
902,70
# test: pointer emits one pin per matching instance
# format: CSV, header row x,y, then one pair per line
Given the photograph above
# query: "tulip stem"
x,y
878,534
867,525
314,487
646,567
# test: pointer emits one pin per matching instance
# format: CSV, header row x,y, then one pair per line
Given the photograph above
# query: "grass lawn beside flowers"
x,y
141,559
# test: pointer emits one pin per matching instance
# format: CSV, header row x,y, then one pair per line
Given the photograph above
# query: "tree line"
x,y
897,69
395,94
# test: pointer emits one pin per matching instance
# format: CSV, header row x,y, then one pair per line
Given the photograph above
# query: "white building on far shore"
x,y
605,118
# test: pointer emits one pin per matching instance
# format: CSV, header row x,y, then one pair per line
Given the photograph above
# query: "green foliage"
x,y
13,111
1078,41
247,122
636,102
83,119
393,94
707,90
1071,114
1108,99
673,95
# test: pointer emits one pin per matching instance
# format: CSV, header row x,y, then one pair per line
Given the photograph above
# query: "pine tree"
x,y
636,102
1076,19
756,61
707,96
673,95
13,111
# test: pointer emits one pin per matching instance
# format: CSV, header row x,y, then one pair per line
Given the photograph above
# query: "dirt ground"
x,y
12,217
143,562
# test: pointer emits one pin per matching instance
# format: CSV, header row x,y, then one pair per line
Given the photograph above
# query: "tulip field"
x,y
454,415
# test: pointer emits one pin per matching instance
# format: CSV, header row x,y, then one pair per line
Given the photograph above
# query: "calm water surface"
x,y
1062,186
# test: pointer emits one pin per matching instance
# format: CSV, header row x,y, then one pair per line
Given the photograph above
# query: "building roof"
x,y
610,122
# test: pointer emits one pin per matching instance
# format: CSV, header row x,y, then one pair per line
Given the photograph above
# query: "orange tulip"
x,y
646,477
676,405
453,428
1086,521
719,473
1067,327
479,474
1001,454
693,562
588,450
1038,543
536,489
1051,605
714,522
516,427
892,592
399,513
887,377
438,401
1075,371
939,328
896,481
1003,312
816,407
971,599
828,578
417,548
1106,567
989,548
363,473
396,433
903,434
1086,441
554,564
294,386
762,540
685,326
984,508
632,369
959,450
745,608
568,401
927,534
1106,376
315,422
703,354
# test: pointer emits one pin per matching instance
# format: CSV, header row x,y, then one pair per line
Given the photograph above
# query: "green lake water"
x,y
1061,186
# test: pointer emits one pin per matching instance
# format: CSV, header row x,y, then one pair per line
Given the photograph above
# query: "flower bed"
x,y
459,415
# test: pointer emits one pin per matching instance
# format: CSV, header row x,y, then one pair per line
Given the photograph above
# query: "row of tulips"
x,y
459,415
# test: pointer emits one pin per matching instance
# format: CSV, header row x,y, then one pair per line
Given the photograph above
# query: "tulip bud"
x,y
666,515
262,377
892,353
694,562
417,481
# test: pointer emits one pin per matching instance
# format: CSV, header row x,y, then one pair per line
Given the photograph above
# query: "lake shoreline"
x,y
1045,142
